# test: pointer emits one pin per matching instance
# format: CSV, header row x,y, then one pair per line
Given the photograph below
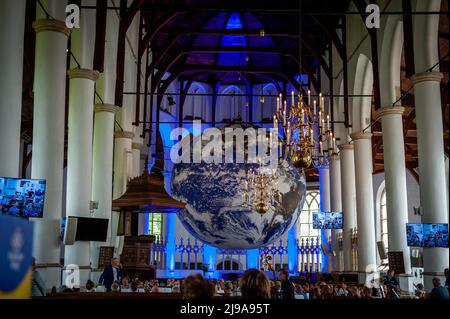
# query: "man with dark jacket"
x,y
287,287
438,292
111,274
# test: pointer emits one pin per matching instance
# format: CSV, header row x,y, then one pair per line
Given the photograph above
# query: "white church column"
x,y
122,158
12,15
324,185
427,95
336,206
348,190
395,179
79,161
122,171
433,199
48,140
364,205
102,170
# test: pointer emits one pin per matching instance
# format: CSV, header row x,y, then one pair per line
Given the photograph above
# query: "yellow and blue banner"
x,y
16,244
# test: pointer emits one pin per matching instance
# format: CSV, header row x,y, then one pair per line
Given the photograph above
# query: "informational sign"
x,y
16,243
396,262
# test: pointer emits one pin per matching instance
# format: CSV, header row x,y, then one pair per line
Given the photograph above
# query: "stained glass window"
x,y
155,224
312,204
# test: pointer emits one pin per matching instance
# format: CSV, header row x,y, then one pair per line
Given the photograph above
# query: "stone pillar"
x,y
79,161
12,14
324,185
427,93
348,190
122,149
395,181
122,172
102,170
48,140
367,259
336,206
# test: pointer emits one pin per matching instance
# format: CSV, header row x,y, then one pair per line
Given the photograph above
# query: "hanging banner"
x,y
16,243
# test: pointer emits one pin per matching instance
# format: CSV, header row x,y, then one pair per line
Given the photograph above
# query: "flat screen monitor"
x,y
427,235
435,235
414,235
328,220
91,229
22,197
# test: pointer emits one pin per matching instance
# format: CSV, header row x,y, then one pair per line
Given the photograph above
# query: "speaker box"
x,y
70,231
382,250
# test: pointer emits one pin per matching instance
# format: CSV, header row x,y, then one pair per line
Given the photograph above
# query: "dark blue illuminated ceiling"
x,y
254,46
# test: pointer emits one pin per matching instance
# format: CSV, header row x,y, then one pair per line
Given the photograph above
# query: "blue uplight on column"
x,y
209,257
252,258
324,191
292,250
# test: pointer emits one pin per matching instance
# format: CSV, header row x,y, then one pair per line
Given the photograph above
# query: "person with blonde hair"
x,y
255,285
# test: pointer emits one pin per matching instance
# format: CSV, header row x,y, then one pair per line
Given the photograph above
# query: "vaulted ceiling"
x,y
229,41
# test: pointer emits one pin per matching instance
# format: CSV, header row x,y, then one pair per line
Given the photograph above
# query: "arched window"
x,y
155,224
312,204
383,219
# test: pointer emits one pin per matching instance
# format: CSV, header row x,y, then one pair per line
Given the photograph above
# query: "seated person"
x,y
90,286
197,287
134,286
115,287
254,284
14,209
391,279
155,286
227,288
438,292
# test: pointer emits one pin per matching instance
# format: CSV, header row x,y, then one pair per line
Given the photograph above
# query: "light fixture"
x,y
261,190
308,137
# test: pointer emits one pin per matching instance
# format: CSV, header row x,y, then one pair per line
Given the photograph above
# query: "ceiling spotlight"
x,y
247,58
262,32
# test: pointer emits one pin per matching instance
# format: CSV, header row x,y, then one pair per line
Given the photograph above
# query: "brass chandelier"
x,y
261,190
308,136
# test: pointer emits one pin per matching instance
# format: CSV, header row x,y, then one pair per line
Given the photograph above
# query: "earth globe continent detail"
x,y
215,213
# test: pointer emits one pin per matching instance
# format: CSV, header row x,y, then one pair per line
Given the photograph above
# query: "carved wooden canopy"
x,y
146,194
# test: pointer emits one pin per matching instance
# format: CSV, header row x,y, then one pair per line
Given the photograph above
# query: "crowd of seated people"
x,y
254,284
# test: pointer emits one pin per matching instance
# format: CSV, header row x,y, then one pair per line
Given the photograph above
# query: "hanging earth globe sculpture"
x,y
215,212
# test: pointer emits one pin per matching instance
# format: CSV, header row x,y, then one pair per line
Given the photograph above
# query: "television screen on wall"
x,y
22,197
427,235
414,235
435,235
328,220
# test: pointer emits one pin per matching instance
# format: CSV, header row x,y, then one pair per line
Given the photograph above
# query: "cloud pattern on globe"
x,y
215,213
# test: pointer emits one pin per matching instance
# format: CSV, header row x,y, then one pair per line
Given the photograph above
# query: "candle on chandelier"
x,y
315,111
288,138
280,145
284,113
328,122
320,148
278,104
320,116
309,97
334,145
331,146
292,97
312,136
